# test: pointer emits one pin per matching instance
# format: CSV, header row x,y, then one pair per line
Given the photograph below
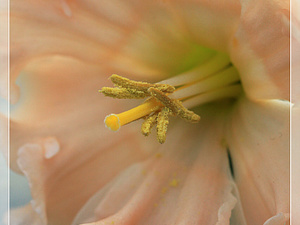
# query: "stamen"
x,y
149,122
139,86
123,93
162,124
221,79
217,63
217,80
175,106
232,91
186,114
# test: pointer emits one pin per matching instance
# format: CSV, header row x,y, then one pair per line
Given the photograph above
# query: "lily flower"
x,y
228,62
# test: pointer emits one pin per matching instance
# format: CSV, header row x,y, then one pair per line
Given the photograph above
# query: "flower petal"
x,y
60,141
117,34
85,31
260,49
258,138
209,23
180,184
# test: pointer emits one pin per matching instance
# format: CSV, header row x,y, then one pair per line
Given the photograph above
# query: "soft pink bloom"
x,y
62,52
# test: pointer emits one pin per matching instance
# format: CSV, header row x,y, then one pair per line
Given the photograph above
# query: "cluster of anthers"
x,y
155,110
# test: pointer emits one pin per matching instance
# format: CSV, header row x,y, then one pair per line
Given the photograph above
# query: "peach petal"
x,y
260,49
258,139
89,34
31,118
189,184
51,146
58,197
30,162
71,146
121,38
209,23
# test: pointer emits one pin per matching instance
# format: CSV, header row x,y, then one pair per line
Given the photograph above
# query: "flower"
x,y
231,167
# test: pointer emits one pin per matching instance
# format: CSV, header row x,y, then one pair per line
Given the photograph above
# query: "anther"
x,y
123,93
186,114
175,106
139,86
162,124
149,122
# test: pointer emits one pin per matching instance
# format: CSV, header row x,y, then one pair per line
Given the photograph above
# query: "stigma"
x,y
173,97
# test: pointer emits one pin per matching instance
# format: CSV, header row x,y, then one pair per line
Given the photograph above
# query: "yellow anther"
x,y
139,86
184,113
164,99
162,125
123,93
175,106
149,122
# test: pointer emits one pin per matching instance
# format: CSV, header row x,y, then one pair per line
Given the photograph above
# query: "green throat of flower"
x,y
213,80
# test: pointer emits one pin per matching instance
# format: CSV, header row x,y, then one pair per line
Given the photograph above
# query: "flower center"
x,y
213,80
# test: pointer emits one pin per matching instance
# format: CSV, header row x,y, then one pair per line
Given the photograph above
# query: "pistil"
x,y
115,121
